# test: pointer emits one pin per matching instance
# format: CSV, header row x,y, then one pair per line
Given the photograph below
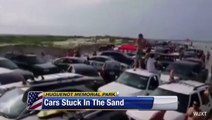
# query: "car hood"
x,y
146,115
23,72
26,74
123,90
45,65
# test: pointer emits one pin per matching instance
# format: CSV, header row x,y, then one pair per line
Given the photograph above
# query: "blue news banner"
x,y
38,101
142,103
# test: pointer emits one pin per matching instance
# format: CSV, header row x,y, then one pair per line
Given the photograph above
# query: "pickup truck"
x,y
186,91
132,83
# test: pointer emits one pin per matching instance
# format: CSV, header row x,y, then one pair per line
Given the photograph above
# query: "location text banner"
x,y
38,100
112,103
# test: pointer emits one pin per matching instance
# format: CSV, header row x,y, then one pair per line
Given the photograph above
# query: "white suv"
x,y
131,83
186,91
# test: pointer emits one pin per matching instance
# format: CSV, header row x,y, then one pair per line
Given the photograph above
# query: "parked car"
x,y
85,70
8,76
111,70
98,61
119,57
132,83
198,52
41,79
64,62
64,80
196,60
6,63
33,63
164,59
188,70
162,49
187,54
186,91
16,108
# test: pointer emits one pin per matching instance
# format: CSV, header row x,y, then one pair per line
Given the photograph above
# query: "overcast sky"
x,y
169,19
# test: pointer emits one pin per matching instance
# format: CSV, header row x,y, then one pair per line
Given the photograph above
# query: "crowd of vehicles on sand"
x,y
21,73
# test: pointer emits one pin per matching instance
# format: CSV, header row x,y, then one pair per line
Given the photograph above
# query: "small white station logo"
x,y
199,113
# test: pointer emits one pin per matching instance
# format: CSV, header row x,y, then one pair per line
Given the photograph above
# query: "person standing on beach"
x,y
141,44
151,64
208,56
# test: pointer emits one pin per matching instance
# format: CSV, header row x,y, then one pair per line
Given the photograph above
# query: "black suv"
x,y
6,63
33,63
8,76
120,57
63,63
188,70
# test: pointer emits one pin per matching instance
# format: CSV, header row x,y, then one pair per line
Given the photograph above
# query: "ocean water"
x,y
206,46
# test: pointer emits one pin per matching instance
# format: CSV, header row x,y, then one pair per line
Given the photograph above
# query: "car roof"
x,y
76,58
29,55
167,54
193,59
82,66
183,87
140,72
111,52
56,76
101,56
186,62
195,49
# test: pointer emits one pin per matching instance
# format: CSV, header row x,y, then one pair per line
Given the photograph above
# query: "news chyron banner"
x,y
38,100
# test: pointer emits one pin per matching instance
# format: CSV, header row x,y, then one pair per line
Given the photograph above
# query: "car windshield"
x,y
11,104
182,99
133,80
34,60
8,64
